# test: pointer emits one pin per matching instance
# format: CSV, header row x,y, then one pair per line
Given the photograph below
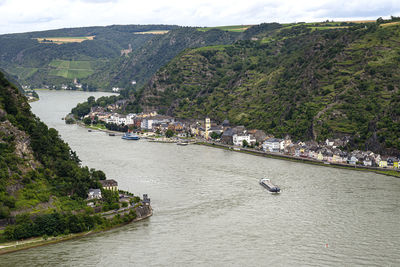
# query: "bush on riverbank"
x,y
55,224
116,127
51,225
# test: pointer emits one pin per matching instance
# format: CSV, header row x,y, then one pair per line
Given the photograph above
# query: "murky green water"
x,y
209,209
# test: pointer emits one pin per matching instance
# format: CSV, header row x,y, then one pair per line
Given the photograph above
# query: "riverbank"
x,y
387,172
393,173
15,246
77,90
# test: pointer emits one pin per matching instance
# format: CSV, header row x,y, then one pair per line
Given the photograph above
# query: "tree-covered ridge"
x,y
155,53
309,83
37,168
31,61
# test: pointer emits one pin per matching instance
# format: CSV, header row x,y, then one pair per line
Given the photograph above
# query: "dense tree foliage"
x,y
55,170
56,223
311,82
83,109
155,53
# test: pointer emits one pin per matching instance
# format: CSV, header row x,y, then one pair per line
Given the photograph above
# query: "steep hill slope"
x,y
308,82
38,171
155,53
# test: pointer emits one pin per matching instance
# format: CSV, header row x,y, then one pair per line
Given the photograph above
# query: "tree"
x,y
214,135
169,133
87,121
91,100
245,143
97,174
110,196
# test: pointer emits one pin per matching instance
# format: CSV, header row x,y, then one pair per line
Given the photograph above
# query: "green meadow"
x,y
234,28
70,69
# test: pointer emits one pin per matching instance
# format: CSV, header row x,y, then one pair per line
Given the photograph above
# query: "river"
x,y
209,209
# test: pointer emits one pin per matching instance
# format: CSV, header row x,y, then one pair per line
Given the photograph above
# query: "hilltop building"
x,y
125,52
109,184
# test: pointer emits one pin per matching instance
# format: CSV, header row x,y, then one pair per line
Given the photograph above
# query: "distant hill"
x,y
59,56
142,63
12,80
312,81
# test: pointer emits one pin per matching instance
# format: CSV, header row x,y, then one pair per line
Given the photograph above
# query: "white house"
x,y
238,139
273,145
352,160
130,119
94,194
147,123
367,162
329,143
117,119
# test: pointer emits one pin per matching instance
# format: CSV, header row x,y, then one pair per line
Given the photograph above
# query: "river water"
x,y
209,209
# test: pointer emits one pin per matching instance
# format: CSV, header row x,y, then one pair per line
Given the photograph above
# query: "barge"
x,y
269,185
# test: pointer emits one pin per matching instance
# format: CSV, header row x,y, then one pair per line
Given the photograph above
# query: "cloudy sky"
x,y
32,15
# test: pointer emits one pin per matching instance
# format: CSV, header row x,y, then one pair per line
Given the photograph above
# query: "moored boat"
x,y
182,143
130,136
269,185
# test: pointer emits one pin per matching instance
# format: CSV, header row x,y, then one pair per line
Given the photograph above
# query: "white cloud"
x,y
25,15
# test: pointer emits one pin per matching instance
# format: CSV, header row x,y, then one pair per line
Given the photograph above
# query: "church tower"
x,y
207,127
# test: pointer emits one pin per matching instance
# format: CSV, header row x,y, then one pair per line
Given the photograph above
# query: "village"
x,y
155,126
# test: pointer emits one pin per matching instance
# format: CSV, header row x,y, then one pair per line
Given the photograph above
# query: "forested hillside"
x,y
309,81
56,57
38,171
155,53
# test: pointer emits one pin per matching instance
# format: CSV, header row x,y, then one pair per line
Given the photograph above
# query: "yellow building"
x,y
337,159
109,184
383,164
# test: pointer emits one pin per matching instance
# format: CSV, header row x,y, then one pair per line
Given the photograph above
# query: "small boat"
x,y
130,136
269,185
182,143
111,134
89,131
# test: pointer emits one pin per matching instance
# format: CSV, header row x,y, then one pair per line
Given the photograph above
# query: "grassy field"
x,y
328,27
70,69
390,24
63,40
234,28
153,32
